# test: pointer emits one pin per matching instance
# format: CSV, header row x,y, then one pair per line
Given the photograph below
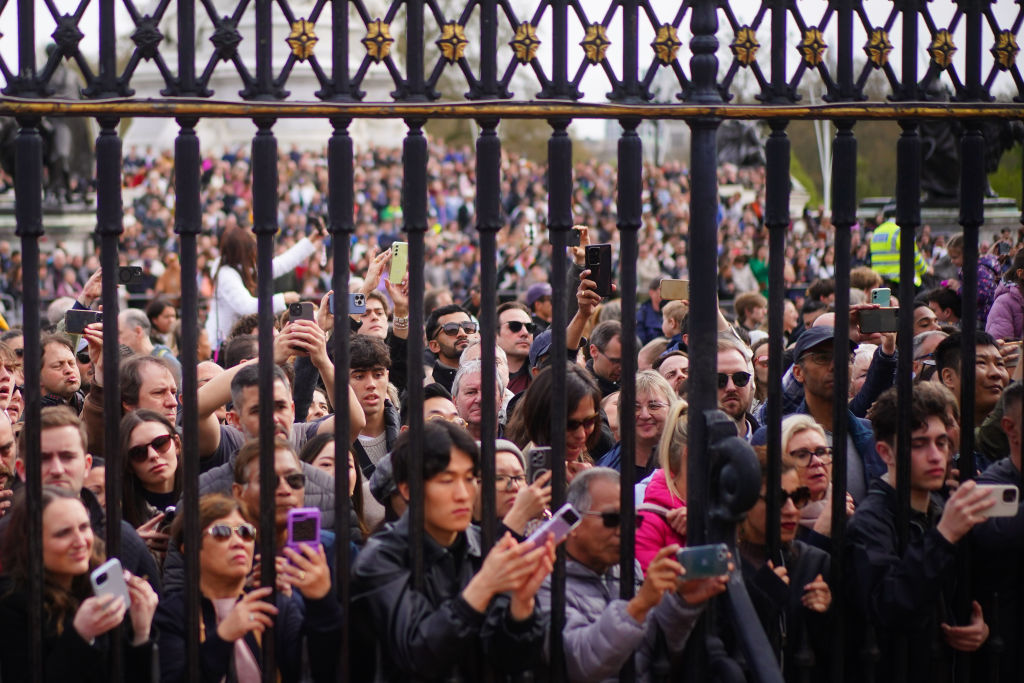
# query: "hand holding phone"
x,y
704,561
108,580
539,462
561,523
301,310
599,261
75,319
303,528
399,261
1006,497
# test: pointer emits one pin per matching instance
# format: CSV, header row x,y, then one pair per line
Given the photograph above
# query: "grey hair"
x,y
135,317
921,338
579,490
475,367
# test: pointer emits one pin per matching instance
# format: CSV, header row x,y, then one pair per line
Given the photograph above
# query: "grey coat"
x,y
599,634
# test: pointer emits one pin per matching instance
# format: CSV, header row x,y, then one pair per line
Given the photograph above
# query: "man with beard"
x,y
448,332
735,388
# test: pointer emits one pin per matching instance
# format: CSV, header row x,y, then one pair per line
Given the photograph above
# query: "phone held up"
x,y
561,523
303,528
598,259
108,579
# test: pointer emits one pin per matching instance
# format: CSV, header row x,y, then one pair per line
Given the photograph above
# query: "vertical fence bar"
x,y
414,77
972,216
559,225
414,212
264,48
339,56
106,83
188,224
341,200
488,211
108,226
264,213
28,215
186,38
630,189
844,210
776,217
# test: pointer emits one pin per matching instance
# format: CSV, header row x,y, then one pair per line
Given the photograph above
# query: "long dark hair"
x,y
531,421
308,455
238,251
58,602
135,510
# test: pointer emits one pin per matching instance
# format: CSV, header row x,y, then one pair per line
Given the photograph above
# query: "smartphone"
x,y
76,319
1003,248
675,290
108,579
704,561
538,462
1007,497
881,296
356,303
599,262
879,320
129,275
303,527
169,513
560,524
399,261
301,310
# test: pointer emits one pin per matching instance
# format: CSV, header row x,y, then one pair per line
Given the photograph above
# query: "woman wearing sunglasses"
x,y
151,452
803,441
789,591
234,616
76,624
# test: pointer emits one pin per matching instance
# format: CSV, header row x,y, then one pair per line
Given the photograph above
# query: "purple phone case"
x,y
303,528
557,525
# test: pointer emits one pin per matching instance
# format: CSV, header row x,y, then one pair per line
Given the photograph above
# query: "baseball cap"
x,y
815,336
536,291
540,347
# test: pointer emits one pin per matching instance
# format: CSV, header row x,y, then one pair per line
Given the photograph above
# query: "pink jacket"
x,y
654,533
1006,317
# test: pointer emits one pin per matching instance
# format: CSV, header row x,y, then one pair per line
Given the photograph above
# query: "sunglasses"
x,y
83,357
516,325
222,532
590,422
295,480
800,497
740,379
802,456
452,329
160,444
611,519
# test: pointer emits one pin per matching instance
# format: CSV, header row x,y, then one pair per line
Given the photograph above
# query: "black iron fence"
x,y
521,65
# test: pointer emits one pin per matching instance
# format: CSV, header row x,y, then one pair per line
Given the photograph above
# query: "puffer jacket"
x,y
434,634
1006,317
655,533
599,634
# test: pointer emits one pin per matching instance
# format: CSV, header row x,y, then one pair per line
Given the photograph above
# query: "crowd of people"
x,y
485,611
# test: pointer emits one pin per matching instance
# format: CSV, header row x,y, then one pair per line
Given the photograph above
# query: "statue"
x,y
740,143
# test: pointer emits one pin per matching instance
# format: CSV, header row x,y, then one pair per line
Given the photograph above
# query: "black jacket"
x,y
901,596
66,657
316,621
792,629
434,635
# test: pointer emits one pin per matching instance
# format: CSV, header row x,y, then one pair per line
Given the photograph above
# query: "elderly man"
x,y
468,395
602,631
133,330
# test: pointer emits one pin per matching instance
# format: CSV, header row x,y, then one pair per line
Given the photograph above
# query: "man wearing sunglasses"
x,y
736,386
602,631
515,336
65,463
449,330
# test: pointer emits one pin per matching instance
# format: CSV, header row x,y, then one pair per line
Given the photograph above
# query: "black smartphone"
x,y
76,319
879,320
599,262
301,310
538,462
129,275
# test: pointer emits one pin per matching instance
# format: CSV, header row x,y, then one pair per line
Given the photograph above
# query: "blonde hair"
x,y
651,381
795,424
672,447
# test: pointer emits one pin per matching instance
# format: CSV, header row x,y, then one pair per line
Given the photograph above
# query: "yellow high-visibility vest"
x,y
885,254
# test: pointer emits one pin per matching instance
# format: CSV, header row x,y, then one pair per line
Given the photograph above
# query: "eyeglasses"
x,y
802,456
20,388
610,519
509,482
452,329
222,532
295,480
613,361
587,423
652,406
800,497
740,379
515,326
761,360
160,444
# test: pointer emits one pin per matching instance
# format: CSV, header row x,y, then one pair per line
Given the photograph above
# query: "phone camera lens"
x,y
1009,496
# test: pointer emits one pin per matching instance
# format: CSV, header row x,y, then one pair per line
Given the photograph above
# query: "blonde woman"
x,y
804,442
666,491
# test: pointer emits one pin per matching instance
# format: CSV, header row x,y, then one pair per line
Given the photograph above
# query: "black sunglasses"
x,y
740,379
516,325
83,357
222,532
800,497
611,519
573,425
452,329
296,480
160,444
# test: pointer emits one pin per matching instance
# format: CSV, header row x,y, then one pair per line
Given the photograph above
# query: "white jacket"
x,y
231,300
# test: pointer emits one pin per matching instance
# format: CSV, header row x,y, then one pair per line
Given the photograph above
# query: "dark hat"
x,y
536,291
815,336
540,347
